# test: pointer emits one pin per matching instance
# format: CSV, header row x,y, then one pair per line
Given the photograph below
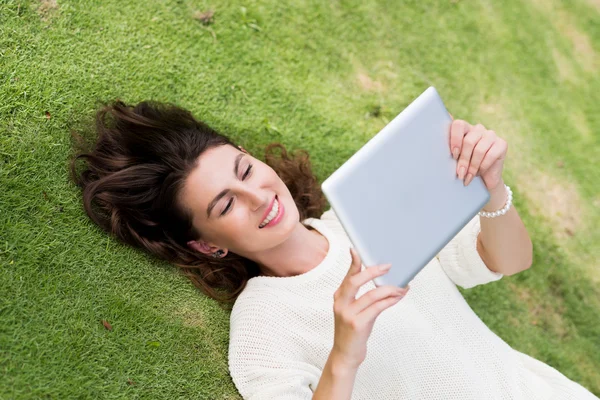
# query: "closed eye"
x,y
247,172
231,200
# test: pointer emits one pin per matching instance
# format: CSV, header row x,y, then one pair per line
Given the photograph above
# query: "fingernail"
x,y
461,173
385,267
455,153
468,180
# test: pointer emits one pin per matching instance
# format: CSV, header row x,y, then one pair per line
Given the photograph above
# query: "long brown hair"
x,y
135,170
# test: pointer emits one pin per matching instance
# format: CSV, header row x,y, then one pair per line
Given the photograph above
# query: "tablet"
x,y
398,197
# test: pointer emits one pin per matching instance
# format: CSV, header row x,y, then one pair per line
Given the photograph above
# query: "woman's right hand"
x,y
354,318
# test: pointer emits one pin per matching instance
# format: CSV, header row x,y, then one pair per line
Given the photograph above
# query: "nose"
x,y
256,197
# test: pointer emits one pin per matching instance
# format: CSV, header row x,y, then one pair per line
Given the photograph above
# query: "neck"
x,y
300,253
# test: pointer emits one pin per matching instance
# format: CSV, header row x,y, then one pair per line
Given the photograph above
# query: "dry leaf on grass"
x,y
206,17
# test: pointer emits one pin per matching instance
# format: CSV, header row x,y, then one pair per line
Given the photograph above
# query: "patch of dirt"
x,y
550,198
582,45
369,84
542,313
189,316
553,199
565,68
46,9
542,4
564,23
595,3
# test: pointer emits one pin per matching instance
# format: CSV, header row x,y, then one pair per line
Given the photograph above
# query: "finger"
x,y
367,275
370,313
470,140
356,263
479,152
493,154
355,266
374,295
458,129
348,288
351,285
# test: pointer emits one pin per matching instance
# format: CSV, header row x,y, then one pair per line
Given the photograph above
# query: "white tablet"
x,y
399,198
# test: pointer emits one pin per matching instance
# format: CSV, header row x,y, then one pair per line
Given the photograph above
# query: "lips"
x,y
268,210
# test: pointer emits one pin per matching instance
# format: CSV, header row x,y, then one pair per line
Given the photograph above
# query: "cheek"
x,y
241,233
238,223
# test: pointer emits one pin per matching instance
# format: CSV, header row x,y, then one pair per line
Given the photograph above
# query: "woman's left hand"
x,y
479,152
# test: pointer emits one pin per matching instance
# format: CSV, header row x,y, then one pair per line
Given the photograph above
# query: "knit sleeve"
x,y
461,260
260,382
264,363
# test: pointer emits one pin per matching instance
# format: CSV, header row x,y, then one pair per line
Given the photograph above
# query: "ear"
x,y
201,246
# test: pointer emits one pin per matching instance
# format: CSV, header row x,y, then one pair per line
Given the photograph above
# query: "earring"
x,y
218,254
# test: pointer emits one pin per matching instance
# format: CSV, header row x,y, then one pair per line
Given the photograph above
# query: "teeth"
x,y
272,214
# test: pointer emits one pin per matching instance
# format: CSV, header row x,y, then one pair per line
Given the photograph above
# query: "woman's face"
x,y
239,190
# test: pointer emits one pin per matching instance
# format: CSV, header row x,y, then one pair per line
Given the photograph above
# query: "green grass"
x,y
322,76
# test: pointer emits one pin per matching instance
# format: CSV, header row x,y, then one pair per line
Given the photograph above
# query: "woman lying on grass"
x,y
253,234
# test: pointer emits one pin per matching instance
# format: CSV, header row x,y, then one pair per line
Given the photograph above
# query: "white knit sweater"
x,y
429,345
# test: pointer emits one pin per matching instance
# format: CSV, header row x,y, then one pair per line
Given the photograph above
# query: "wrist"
x,y
338,365
498,198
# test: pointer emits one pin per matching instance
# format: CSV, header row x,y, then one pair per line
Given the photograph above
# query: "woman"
x,y
248,233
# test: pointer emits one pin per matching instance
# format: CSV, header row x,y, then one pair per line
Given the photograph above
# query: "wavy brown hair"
x,y
135,171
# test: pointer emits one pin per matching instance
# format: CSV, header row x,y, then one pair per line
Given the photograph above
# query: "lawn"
x,y
324,76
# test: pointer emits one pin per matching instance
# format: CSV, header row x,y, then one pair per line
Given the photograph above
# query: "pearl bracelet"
x,y
503,210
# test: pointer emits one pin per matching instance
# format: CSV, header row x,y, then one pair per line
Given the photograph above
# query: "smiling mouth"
x,y
275,199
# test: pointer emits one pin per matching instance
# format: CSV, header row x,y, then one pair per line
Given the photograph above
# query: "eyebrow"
x,y
224,192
